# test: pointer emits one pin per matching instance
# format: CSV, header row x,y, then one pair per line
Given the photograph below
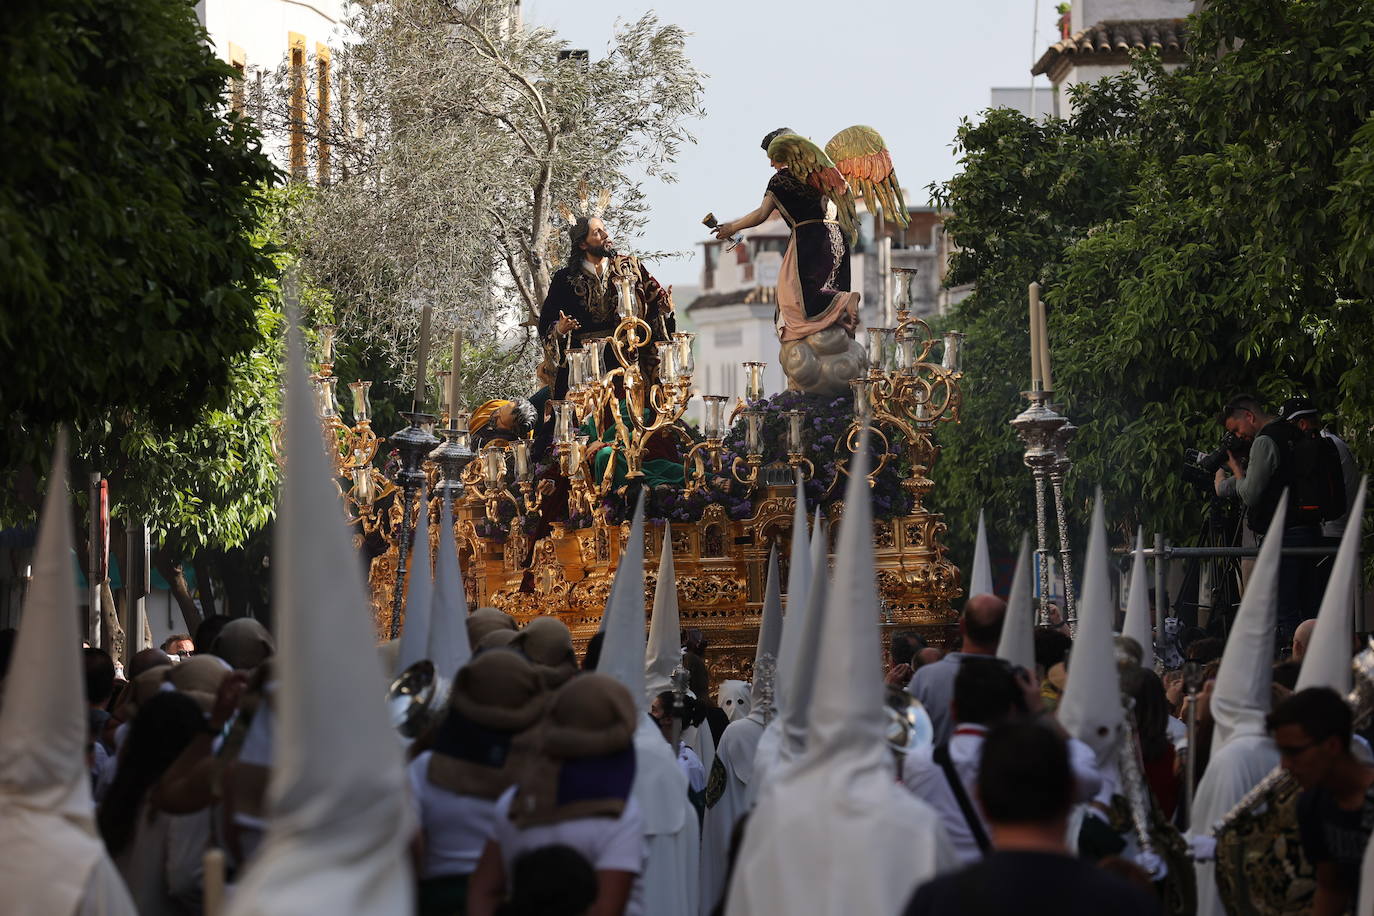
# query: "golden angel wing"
x,y
861,156
812,165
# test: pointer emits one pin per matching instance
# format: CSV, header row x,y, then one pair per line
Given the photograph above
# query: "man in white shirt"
x,y
987,691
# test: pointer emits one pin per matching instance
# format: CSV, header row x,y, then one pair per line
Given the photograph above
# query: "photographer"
x,y
1260,485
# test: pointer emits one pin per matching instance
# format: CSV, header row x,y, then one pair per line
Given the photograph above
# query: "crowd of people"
x,y
251,772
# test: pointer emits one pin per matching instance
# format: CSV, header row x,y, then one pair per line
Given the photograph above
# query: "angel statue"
x,y
813,191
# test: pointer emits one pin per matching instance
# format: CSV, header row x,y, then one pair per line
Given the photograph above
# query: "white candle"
x,y
422,360
1045,349
455,386
213,876
1036,377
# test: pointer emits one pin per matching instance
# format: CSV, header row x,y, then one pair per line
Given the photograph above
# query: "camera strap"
x,y
956,785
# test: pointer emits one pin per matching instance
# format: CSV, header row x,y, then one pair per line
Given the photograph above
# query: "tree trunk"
x,y
111,630
170,568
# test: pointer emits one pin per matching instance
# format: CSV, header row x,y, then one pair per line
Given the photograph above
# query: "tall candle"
x,y
212,864
422,360
1036,377
1045,349
455,385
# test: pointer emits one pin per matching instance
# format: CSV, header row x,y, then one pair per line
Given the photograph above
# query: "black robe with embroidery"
x,y
579,295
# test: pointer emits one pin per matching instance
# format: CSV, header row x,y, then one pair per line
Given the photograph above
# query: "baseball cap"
x,y
1293,408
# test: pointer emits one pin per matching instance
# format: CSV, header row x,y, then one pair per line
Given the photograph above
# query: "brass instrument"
x,y
1261,870
416,699
908,726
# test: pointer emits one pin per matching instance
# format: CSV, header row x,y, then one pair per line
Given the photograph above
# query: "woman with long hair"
x,y
158,854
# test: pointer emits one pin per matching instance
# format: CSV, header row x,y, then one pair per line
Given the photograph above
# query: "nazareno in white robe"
x,y
52,860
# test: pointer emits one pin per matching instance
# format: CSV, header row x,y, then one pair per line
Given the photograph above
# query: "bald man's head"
x,y
981,624
1301,637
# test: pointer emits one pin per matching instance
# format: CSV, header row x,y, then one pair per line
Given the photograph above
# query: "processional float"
x,y
736,499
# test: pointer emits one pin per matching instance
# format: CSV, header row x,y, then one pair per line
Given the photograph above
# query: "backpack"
x,y
1318,484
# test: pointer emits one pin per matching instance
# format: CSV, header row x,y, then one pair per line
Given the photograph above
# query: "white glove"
x,y
1202,846
1153,864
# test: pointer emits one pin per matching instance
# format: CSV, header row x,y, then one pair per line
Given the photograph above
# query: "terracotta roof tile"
x,y
1114,39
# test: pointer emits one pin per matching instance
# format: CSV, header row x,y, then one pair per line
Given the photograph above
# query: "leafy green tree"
x,y
128,276
1199,233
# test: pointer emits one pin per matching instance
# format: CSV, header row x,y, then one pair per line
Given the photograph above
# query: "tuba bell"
x,y
416,698
908,725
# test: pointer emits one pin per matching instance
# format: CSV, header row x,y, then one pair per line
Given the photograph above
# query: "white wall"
x,y
1087,13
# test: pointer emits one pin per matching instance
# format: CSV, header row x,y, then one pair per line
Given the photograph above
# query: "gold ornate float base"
x,y
721,568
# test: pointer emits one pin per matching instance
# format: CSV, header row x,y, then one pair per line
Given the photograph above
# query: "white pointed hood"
x,y
1018,632
842,792
847,718
1327,662
799,557
338,824
419,596
980,580
770,636
1138,625
670,826
664,652
448,622
49,847
800,648
1240,697
1091,709
623,647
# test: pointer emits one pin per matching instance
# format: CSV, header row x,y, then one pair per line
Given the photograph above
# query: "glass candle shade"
x,y
327,334
713,423
494,466
862,408
753,380
686,362
325,401
577,368
520,450
596,367
564,421
953,359
880,348
753,432
627,303
667,361
363,489
362,404
459,420
907,350
901,292
795,419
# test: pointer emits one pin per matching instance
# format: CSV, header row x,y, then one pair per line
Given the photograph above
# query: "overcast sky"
x,y
910,69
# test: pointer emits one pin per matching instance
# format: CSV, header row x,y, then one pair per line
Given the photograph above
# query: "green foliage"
x,y
127,272
209,481
1199,233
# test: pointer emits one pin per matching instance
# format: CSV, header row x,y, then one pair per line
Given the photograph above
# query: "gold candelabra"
x,y
906,391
